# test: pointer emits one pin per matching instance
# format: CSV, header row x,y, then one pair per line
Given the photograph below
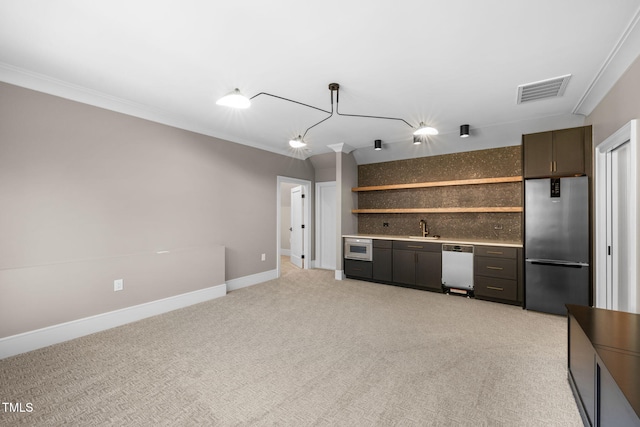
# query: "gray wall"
x,y
618,107
79,183
325,167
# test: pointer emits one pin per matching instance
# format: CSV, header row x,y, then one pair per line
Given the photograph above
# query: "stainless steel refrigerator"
x,y
556,243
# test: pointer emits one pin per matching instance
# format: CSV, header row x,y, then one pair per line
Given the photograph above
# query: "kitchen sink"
x,y
436,237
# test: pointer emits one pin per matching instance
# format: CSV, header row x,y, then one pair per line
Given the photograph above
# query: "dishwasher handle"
x,y
447,247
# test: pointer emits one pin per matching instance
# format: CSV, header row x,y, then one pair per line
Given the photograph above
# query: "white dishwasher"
x,y
457,268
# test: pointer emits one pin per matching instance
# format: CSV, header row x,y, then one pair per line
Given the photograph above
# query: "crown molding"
x,y
341,148
46,84
623,54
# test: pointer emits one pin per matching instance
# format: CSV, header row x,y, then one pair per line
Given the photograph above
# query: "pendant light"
x,y
425,130
234,99
297,142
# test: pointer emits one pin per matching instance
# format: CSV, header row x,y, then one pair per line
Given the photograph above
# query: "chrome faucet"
x,y
423,228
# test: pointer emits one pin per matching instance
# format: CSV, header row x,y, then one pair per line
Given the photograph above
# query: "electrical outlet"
x,y
264,257
385,224
118,285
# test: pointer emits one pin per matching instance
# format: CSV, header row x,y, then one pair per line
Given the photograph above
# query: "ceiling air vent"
x,y
550,88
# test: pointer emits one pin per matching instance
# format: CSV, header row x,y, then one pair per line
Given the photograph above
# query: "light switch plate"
x,y
118,285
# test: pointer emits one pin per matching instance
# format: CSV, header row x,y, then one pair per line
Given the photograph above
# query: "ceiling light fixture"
x,y
235,99
464,131
425,130
377,144
297,142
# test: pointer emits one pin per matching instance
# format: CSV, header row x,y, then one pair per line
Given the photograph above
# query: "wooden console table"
x,y
604,365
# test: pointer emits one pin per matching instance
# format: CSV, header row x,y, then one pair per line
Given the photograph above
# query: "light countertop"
x,y
439,240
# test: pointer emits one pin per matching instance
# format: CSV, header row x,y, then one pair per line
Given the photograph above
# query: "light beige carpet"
x,y
306,350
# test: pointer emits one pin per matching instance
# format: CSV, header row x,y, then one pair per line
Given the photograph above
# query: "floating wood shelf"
x,y
500,209
475,181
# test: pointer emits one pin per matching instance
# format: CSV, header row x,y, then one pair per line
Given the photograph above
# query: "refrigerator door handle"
x,y
557,263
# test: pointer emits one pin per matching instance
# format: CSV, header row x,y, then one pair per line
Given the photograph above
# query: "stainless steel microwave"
x,y
361,249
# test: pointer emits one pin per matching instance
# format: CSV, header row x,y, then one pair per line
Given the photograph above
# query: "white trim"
x,y
623,54
39,338
42,83
306,218
626,133
285,252
341,148
253,279
339,275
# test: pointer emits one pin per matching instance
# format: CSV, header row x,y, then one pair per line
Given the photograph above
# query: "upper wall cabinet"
x,y
557,153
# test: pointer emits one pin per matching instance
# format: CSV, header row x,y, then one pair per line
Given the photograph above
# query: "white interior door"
x,y
326,208
297,235
617,221
620,288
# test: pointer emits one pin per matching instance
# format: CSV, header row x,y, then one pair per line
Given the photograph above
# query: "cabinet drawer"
x,y
417,246
356,268
496,251
496,288
503,268
387,244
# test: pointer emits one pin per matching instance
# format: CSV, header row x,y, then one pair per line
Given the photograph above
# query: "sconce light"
x,y
377,145
464,131
235,99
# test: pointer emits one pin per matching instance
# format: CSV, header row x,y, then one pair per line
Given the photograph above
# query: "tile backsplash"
x,y
492,163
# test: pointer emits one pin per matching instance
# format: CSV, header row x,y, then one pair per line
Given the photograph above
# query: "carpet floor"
x,y
306,350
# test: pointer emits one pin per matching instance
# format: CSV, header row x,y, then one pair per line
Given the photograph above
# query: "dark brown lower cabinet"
x,y
604,365
498,274
382,261
418,265
358,269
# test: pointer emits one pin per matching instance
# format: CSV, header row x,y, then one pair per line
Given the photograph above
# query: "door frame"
x,y
306,217
626,133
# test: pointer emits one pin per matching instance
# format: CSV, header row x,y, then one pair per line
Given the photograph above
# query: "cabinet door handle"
x,y
414,247
490,267
495,252
550,166
495,288
555,166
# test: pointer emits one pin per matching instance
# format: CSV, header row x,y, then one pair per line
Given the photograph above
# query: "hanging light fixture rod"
x,y
291,100
236,99
336,87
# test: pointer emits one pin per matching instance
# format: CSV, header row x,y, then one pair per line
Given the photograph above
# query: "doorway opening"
x,y
293,223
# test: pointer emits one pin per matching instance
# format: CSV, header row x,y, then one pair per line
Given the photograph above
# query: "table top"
x,y
615,336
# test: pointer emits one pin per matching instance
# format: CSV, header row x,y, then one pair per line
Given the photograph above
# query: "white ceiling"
x,y
443,62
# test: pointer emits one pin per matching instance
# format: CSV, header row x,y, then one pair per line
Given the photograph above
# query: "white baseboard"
x,y
339,275
39,338
253,279
285,252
